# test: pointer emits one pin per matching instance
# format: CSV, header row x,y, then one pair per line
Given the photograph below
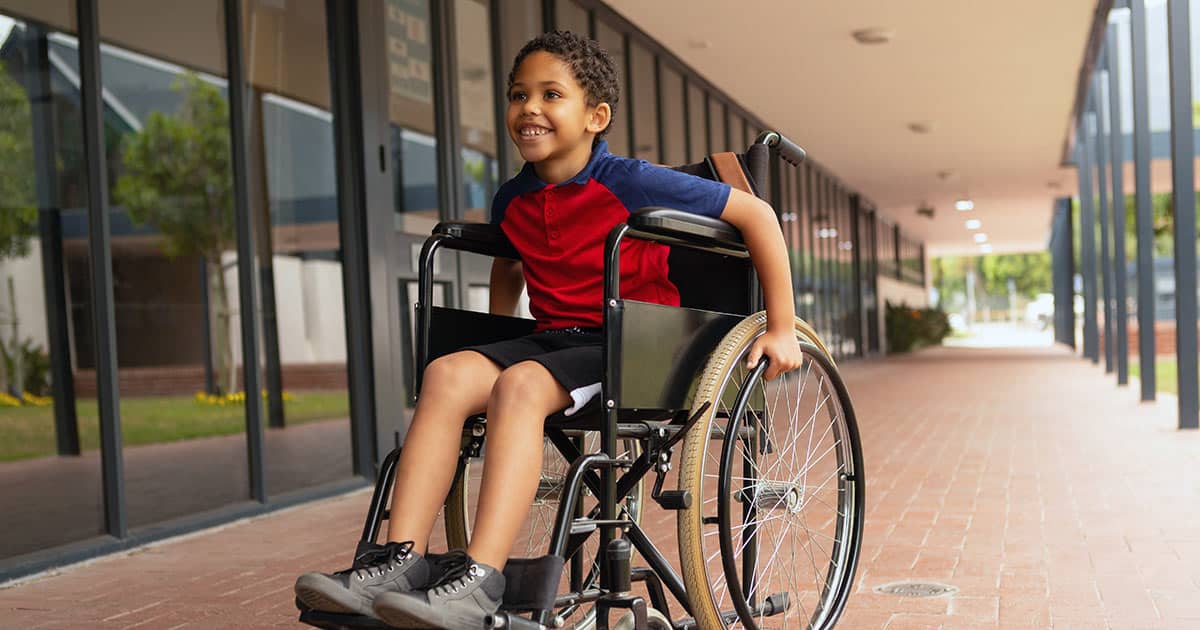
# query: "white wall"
x,y
308,308
26,274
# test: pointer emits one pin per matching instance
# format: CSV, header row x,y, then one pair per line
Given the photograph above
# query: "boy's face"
x,y
548,115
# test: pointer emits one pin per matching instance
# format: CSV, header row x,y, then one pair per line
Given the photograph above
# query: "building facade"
x,y
164,163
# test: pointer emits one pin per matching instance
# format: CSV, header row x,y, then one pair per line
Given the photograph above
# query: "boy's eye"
x,y
552,94
516,96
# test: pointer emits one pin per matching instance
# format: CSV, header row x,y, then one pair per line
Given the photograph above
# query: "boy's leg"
x,y
522,397
454,387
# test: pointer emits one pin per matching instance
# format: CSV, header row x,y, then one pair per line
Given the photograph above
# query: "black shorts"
x,y
574,357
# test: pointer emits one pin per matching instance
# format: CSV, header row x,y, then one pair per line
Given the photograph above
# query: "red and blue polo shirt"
x,y
560,230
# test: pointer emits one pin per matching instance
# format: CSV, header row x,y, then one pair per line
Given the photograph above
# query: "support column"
x,y
54,279
1101,149
99,243
1062,260
244,226
1144,218
1116,136
1087,237
1183,187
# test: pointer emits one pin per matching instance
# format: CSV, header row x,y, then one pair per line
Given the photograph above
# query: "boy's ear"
x,y
601,116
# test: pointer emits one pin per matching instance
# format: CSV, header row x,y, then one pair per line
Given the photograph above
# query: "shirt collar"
x,y
528,179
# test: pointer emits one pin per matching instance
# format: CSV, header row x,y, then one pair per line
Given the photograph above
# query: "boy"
x,y
557,212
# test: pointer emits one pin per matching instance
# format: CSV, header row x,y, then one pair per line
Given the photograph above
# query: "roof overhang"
x,y
994,81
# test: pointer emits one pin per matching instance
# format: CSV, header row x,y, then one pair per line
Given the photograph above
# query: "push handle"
x,y
787,149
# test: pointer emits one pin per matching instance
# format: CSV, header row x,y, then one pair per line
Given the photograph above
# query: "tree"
x,y
18,212
177,178
1029,272
18,216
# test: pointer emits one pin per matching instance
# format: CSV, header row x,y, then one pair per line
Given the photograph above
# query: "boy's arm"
x,y
756,220
506,284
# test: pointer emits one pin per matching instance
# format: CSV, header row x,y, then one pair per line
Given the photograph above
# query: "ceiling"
x,y
995,81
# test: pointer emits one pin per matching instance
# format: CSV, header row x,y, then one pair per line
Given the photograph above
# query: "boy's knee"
x,y
526,383
451,370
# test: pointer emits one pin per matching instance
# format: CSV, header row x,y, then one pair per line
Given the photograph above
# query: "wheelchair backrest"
x,y
713,282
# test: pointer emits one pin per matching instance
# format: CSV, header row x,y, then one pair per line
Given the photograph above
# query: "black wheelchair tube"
x,y
786,149
383,488
612,386
723,490
425,305
572,487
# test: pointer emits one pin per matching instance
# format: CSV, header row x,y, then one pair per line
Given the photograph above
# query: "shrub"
x,y
910,328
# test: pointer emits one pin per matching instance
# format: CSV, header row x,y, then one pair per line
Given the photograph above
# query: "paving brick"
x,y
1024,477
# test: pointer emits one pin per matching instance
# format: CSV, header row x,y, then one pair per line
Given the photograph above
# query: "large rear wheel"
x,y
780,546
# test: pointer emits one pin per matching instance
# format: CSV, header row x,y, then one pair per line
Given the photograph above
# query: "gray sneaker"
x,y
461,600
390,568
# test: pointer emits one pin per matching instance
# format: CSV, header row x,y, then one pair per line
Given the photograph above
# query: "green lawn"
x,y
27,432
1165,378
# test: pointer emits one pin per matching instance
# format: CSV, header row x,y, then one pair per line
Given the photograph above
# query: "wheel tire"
x,y
460,506
655,620
780,490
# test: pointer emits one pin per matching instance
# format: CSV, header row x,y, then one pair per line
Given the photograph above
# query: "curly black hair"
x,y
592,66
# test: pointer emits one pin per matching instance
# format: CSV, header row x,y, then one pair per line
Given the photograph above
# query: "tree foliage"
x,y
18,208
1030,273
177,177
177,173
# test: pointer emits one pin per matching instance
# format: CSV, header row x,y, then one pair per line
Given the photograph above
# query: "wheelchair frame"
x,y
660,412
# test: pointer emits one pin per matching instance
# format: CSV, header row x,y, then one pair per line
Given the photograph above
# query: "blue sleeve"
x,y
500,202
647,185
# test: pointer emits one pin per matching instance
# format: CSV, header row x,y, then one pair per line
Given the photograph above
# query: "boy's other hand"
x,y
781,347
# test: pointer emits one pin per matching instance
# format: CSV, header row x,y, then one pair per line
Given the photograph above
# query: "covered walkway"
x,y
1020,476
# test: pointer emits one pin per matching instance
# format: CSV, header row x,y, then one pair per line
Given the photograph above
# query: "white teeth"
x,y
529,132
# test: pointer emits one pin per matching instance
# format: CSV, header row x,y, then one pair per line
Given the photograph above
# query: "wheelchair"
x,y
768,496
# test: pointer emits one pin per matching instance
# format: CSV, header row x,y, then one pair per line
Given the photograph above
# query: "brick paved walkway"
x,y
1023,477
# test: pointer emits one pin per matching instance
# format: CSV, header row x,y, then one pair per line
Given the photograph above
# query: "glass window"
x,y
174,256
520,21
45,234
697,123
571,17
674,125
618,131
409,50
718,141
294,191
644,95
477,112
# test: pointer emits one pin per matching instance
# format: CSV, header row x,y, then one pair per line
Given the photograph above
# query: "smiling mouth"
x,y
533,132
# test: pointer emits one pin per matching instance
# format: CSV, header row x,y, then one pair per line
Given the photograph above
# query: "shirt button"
x,y
554,234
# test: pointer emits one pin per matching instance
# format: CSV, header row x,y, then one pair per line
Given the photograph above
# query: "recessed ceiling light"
x,y
980,237
985,248
964,205
873,35
921,126
974,224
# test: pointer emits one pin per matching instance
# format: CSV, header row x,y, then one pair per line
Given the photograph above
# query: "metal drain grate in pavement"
x,y
916,589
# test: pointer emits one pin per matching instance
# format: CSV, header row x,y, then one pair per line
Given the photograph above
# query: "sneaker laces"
x,y
372,563
457,570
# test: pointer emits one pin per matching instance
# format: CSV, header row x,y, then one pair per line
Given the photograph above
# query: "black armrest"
x,y
686,226
480,238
